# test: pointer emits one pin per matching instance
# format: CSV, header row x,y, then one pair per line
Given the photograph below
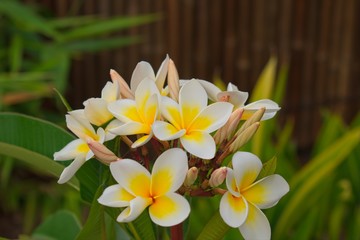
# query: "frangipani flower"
x,y
144,70
137,189
78,149
192,120
240,206
238,99
96,109
137,116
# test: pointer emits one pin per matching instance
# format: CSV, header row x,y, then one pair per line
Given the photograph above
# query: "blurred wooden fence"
x,y
317,39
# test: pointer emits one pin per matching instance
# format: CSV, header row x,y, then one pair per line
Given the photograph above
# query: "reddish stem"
x,y
176,232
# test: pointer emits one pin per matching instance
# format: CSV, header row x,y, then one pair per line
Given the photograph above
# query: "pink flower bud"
x,y
124,87
191,176
218,177
102,153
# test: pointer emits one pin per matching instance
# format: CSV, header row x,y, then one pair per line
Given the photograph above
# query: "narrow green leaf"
x,y
312,174
16,51
107,26
142,227
95,45
265,83
61,225
27,17
216,228
63,100
268,168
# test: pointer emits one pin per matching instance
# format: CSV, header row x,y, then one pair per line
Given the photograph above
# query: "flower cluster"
x,y
178,135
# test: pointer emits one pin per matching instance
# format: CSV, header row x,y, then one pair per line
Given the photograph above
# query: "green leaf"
x,y
106,26
33,141
317,170
61,225
268,168
94,228
63,100
25,16
265,83
95,45
216,228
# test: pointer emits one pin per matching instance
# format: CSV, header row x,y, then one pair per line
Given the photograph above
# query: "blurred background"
x,y
72,45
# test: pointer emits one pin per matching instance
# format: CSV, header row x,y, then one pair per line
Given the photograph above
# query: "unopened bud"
x,y
217,177
243,137
191,176
256,117
101,152
173,81
124,87
227,131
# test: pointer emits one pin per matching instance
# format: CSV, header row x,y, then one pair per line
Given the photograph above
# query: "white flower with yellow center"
x,y
192,120
137,116
137,189
78,149
240,205
238,99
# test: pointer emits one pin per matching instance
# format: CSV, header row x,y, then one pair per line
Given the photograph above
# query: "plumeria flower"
x,y
240,205
238,99
144,70
137,189
192,120
137,116
96,108
78,149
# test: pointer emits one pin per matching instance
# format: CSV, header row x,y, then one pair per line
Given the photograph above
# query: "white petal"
x,y
200,144
162,72
112,125
151,109
237,98
267,192
169,172
165,131
125,110
246,167
211,89
256,226
73,149
142,140
233,210
232,87
131,128
212,117
80,125
136,207
169,210
142,70
192,99
271,108
96,111
231,183
115,196
170,111
70,170
110,92
132,176
144,91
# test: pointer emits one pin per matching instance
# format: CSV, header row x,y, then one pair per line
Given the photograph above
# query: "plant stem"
x,y
176,232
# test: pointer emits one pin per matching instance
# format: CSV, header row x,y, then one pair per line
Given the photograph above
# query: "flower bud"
x,y
173,81
102,153
191,176
124,87
243,137
227,131
218,176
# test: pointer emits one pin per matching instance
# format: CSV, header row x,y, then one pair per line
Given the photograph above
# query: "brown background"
x,y
317,39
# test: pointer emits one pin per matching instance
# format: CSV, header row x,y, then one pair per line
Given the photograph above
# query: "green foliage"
x,y
36,51
61,225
